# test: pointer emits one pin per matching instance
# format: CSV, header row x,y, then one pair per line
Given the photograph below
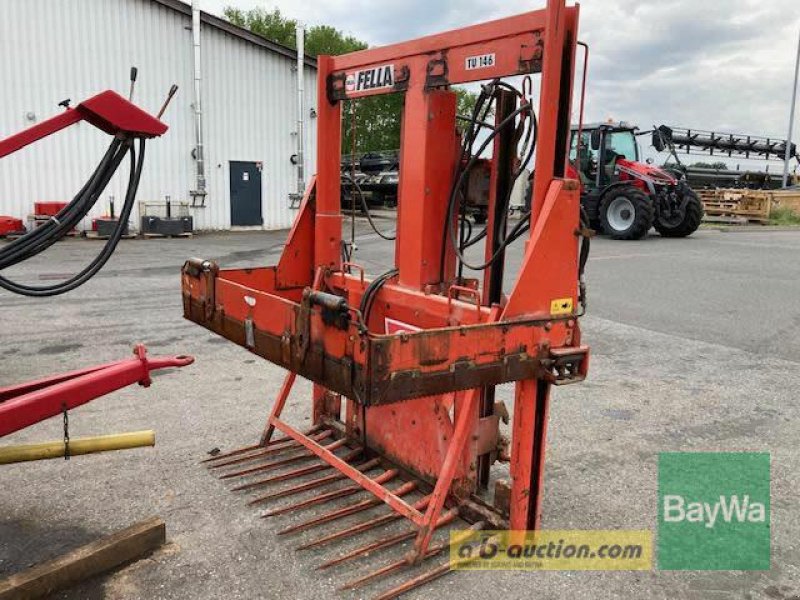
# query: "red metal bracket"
x,y
107,111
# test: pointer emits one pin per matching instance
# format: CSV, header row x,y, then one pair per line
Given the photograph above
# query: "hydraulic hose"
x,y
67,218
74,213
518,229
386,236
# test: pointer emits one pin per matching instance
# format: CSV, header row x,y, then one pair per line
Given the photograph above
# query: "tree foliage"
x,y
377,118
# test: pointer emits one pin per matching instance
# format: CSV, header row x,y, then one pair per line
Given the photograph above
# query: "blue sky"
x,y
725,65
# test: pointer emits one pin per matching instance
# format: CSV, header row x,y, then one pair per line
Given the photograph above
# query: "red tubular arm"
x,y
26,404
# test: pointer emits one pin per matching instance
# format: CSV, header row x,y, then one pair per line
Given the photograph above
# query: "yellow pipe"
x,y
88,445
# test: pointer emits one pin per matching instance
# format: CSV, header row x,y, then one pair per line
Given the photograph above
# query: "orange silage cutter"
x,y
405,364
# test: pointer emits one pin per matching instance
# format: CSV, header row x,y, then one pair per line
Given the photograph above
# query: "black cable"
x,y
482,108
100,260
365,306
387,236
459,182
583,256
67,218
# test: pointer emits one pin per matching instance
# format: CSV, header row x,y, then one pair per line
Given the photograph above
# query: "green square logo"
x,y
714,511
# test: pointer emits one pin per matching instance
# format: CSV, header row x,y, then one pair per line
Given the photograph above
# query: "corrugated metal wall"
x,y
54,49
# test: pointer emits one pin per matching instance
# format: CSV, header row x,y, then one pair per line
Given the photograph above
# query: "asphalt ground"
x,y
695,346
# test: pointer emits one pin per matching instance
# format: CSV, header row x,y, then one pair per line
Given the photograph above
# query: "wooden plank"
x,y
85,562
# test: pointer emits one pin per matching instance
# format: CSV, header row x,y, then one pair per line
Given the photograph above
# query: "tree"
x,y
319,39
377,118
270,25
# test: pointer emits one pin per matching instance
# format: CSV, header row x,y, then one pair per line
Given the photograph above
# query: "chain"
x,y
66,430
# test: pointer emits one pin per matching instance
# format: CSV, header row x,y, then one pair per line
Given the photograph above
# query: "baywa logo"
x,y
731,508
714,510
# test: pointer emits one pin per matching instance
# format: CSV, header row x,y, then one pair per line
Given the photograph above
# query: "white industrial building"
x,y
51,50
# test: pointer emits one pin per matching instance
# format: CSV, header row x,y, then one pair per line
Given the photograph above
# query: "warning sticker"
x,y
561,306
394,326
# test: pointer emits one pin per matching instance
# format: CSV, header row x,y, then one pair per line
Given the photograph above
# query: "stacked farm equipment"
x,y
165,219
728,196
404,364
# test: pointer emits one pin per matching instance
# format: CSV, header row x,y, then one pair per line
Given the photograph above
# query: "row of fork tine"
x,y
250,454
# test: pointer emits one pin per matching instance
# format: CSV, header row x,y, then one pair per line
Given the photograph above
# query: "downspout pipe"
x,y
200,186
301,110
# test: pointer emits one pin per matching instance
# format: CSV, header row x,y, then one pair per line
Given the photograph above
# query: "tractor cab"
x,y
601,146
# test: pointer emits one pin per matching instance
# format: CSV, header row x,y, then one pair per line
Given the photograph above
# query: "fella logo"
x,y
714,511
376,78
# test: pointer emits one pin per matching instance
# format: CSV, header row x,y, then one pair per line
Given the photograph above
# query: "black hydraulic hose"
x,y
78,213
583,257
365,307
477,120
460,182
42,231
387,236
67,218
71,218
101,259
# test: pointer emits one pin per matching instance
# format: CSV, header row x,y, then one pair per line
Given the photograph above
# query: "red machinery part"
x,y
10,225
107,111
28,403
48,209
421,398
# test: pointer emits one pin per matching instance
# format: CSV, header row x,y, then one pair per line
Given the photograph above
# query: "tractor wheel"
x,y
683,222
626,213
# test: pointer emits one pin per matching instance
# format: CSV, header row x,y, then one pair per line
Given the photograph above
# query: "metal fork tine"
x,y
257,454
295,473
290,445
314,483
230,453
394,566
361,527
244,449
386,542
306,455
340,493
348,510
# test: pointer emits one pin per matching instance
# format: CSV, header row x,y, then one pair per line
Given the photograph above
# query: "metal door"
x,y
245,193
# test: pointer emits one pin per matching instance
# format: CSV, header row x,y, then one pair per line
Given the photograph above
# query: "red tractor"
x,y
623,197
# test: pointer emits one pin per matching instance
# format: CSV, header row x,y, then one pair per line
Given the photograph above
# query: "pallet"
x,y
736,205
725,220
93,235
146,236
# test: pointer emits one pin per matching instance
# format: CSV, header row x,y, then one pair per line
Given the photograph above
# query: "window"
x,y
623,144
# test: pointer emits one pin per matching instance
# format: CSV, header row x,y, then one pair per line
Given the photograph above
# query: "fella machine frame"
x,y
404,365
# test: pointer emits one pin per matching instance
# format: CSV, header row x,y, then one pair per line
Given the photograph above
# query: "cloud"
x,y
724,65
